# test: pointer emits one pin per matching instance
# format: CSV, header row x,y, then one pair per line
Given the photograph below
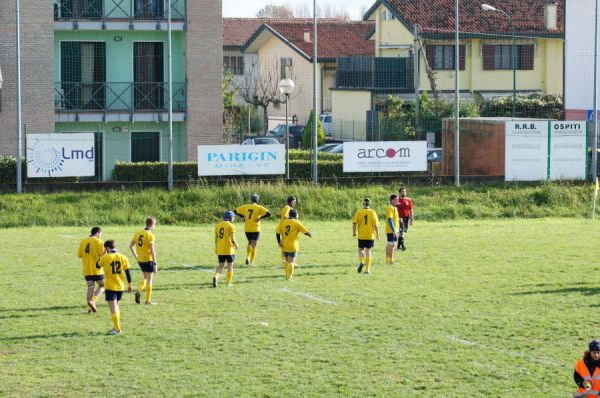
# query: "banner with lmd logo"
x,y
60,155
383,156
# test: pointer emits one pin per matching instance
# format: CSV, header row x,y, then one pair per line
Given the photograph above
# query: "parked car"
x,y
260,141
327,123
296,131
339,148
434,155
327,147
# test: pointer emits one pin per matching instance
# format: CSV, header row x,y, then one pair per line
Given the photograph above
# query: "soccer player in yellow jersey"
x,y
252,214
288,238
284,214
116,269
366,222
143,249
89,251
225,246
392,227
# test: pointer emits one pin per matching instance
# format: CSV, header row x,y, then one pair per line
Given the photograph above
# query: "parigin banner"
x,y
220,160
60,155
385,156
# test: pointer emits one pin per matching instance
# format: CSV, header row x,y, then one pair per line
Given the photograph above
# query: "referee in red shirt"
x,y
405,212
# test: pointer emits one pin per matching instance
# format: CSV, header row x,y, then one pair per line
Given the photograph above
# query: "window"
x,y
83,74
386,15
149,9
148,75
234,64
145,146
80,9
499,57
441,57
286,65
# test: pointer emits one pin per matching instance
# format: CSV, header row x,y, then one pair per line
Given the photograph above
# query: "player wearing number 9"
x,y
116,269
225,246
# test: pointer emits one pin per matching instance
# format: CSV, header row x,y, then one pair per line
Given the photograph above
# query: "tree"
x,y
229,111
275,11
307,135
260,86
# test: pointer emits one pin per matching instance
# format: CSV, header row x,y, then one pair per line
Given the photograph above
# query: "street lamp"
x,y
286,86
487,7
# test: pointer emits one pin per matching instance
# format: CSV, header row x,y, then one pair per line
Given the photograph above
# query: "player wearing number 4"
x,y
252,214
366,221
225,246
115,265
288,232
143,249
90,250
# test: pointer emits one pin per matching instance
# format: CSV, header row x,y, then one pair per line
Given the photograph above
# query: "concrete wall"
x,y
350,114
37,70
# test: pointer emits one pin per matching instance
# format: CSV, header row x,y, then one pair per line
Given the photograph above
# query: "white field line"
x,y
509,353
309,296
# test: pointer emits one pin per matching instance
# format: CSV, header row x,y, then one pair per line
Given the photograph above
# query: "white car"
x,y
327,123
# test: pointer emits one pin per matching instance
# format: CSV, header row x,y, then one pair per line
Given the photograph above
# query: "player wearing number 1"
x,y
89,251
115,265
366,221
143,249
225,246
252,214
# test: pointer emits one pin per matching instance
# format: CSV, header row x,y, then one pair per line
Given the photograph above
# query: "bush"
x,y
545,106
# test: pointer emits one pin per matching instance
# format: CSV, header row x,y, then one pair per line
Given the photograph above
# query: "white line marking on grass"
x,y
510,353
309,296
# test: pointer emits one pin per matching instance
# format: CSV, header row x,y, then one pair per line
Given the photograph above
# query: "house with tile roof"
x,y
422,32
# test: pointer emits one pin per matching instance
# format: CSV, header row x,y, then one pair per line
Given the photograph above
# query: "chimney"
x,y
550,14
307,35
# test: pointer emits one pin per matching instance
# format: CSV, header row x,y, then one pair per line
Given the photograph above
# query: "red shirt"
x,y
404,206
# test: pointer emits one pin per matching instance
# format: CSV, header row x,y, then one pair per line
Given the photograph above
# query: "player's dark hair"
x,y
150,221
367,202
290,199
254,198
402,188
110,244
392,197
95,230
293,213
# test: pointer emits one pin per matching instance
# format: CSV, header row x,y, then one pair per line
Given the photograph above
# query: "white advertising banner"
x,y
220,160
383,156
60,155
526,150
568,150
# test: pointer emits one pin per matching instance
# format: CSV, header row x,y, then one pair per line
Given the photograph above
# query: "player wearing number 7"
x,y
366,221
252,214
115,265
89,251
143,249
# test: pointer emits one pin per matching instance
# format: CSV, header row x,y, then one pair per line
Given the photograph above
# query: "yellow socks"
x,y
291,270
248,253
142,286
361,259
229,277
286,268
368,262
252,254
94,298
116,319
148,293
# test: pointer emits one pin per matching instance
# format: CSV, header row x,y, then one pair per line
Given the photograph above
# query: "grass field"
x,y
472,308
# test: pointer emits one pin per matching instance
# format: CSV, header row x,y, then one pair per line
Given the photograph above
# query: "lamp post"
x,y
487,7
286,86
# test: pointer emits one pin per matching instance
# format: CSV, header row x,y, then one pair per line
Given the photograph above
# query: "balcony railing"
x,y
375,74
105,10
117,97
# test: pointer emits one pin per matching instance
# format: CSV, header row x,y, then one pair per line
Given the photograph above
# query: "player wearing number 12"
x,y
366,222
143,249
288,237
89,251
252,214
225,246
116,268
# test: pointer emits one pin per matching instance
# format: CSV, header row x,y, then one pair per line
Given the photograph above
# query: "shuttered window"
x,y
441,57
499,57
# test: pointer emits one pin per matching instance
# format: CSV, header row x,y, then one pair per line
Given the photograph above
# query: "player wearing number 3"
x,y
115,265
252,214
288,232
366,221
143,249
90,250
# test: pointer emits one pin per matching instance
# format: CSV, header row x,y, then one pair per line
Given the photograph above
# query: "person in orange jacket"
x,y
587,372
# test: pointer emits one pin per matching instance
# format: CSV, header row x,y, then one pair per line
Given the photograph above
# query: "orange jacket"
x,y
594,379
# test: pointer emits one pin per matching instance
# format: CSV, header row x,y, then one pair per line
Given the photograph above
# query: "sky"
x,y
249,8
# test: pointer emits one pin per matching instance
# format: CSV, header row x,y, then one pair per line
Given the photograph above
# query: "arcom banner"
x,y
568,150
220,160
381,156
526,150
60,155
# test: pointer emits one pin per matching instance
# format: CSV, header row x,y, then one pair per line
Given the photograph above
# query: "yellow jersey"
x,y
114,265
89,251
251,213
290,230
366,221
142,240
224,238
391,212
285,212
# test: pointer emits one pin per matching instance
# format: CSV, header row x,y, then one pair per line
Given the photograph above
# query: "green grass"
x,y
473,308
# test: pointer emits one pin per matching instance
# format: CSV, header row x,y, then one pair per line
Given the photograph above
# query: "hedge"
x,y
8,172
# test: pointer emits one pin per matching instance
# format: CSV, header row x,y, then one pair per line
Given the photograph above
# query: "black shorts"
x,y
290,254
391,238
96,278
252,235
227,258
112,295
366,243
404,224
148,266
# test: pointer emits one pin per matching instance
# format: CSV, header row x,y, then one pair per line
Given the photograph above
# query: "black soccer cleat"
x,y
360,267
215,281
137,297
247,262
403,246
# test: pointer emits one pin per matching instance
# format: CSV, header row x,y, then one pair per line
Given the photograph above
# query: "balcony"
x,y
393,75
147,101
118,14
